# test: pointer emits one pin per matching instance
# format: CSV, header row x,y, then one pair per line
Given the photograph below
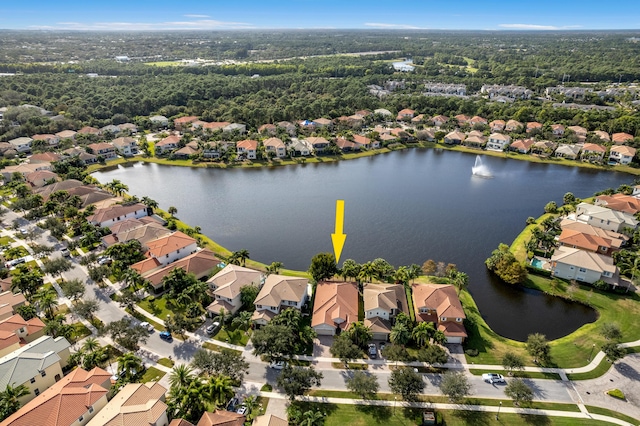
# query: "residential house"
x,y
159,120
513,126
248,149
226,286
83,155
498,142
445,89
622,154
439,304
72,401
24,331
22,144
428,134
319,144
602,135
569,151
108,216
581,265
269,129
23,169
41,178
217,149
199,264
533,126
619,202
580,132
508,91
135,404
270,420
593,152
167,144
454,138
346,145
475,141
103,149
44,157
383,112
125,146
276,146
169,248
67,134
323,122
289,127
477,120
523,146
405,114
183,122
241,129
497,126
593,243
221,418
110,129
418,119
439,120
128,127
557,130
382,303
299,148
462,119
605,218
335,307
49,139
135,229
9,302
36,365
616,239
365,142
88,130
215,126
543,148
186,152
621,138
278,293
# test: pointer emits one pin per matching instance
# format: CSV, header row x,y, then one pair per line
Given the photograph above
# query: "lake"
x,y
405,206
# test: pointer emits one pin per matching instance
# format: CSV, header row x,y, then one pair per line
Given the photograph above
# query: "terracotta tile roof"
x,y
118,210
343,143
604,136
124,141
577,239
87,130
267,128
169,244
44,157
66,134
579,130
180,422
497,124
317,140
41,175
8,339
335,304
441,297
64,402
274,142
216,125
269,420
406,112
617,240
362,140
145,266
101,146
619,202
619,138
143,233
594,147
221,418
44,137
199,264
477,119
169,140
378,325
322,121
248,144
453,329
184,120
523,144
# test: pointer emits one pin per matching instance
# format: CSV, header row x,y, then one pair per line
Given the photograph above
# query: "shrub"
x,y
616,393
471,352
266,388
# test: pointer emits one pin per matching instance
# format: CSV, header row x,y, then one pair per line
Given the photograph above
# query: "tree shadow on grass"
x,y
477,418
535,420
378,413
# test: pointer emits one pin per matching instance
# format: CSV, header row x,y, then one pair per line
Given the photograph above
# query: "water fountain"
x,y
479,169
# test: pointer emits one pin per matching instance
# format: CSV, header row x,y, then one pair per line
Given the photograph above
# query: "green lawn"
x,y
352,415
160,309
152,374
611,413
80,331
352,366
232,335
166,362
6,241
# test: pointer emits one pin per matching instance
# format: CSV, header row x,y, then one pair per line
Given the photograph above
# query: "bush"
x,y
616,393
471,352
266,388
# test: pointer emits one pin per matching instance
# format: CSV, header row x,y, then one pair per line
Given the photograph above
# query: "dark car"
x,y
165,335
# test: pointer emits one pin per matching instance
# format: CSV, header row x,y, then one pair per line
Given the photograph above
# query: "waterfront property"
x,y
335,307
226,286
575,264
382,303
278,293
440,305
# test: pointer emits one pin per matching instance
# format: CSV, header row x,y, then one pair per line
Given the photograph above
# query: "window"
x,y
458,319
167,255
443,318
424,310
21,330
33,380
36,391
81,418
90,410
43,373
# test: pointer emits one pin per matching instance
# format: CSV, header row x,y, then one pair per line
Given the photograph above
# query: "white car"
x,y
279,365
493,378
242,410
147,326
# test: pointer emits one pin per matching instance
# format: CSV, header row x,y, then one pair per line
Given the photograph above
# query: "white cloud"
x,y
392,26
196,16
196,24
537,27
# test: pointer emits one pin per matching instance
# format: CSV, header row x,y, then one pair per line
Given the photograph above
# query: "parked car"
x,y
65,252
242,410
493,378
104,260
23,231
211,329
147,326
233,404
277,365
15,262
373,351
165,335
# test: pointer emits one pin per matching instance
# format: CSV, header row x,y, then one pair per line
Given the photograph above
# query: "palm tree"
x,y
460,280
414,271
350,269
274,268
312,418
243,256
47,300
153,204
401,276
172,211
423,332
367,272
90,345
10,399
251,402
400,334
359,333
181,376
219,389
130,366
133,280
222,317
116,187
440,338
242,321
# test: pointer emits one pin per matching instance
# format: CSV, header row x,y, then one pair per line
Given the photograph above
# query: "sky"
x,y
118,15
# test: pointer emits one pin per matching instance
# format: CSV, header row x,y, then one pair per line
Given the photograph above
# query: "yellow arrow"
x,y
338,238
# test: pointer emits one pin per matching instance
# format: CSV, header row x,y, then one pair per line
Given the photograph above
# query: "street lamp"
x,y
499,407
395,400
592,348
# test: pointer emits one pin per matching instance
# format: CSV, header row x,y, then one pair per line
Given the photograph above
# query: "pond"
x,y
405,206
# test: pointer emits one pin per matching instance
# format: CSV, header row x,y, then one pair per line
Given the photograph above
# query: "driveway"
x,y
624,375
